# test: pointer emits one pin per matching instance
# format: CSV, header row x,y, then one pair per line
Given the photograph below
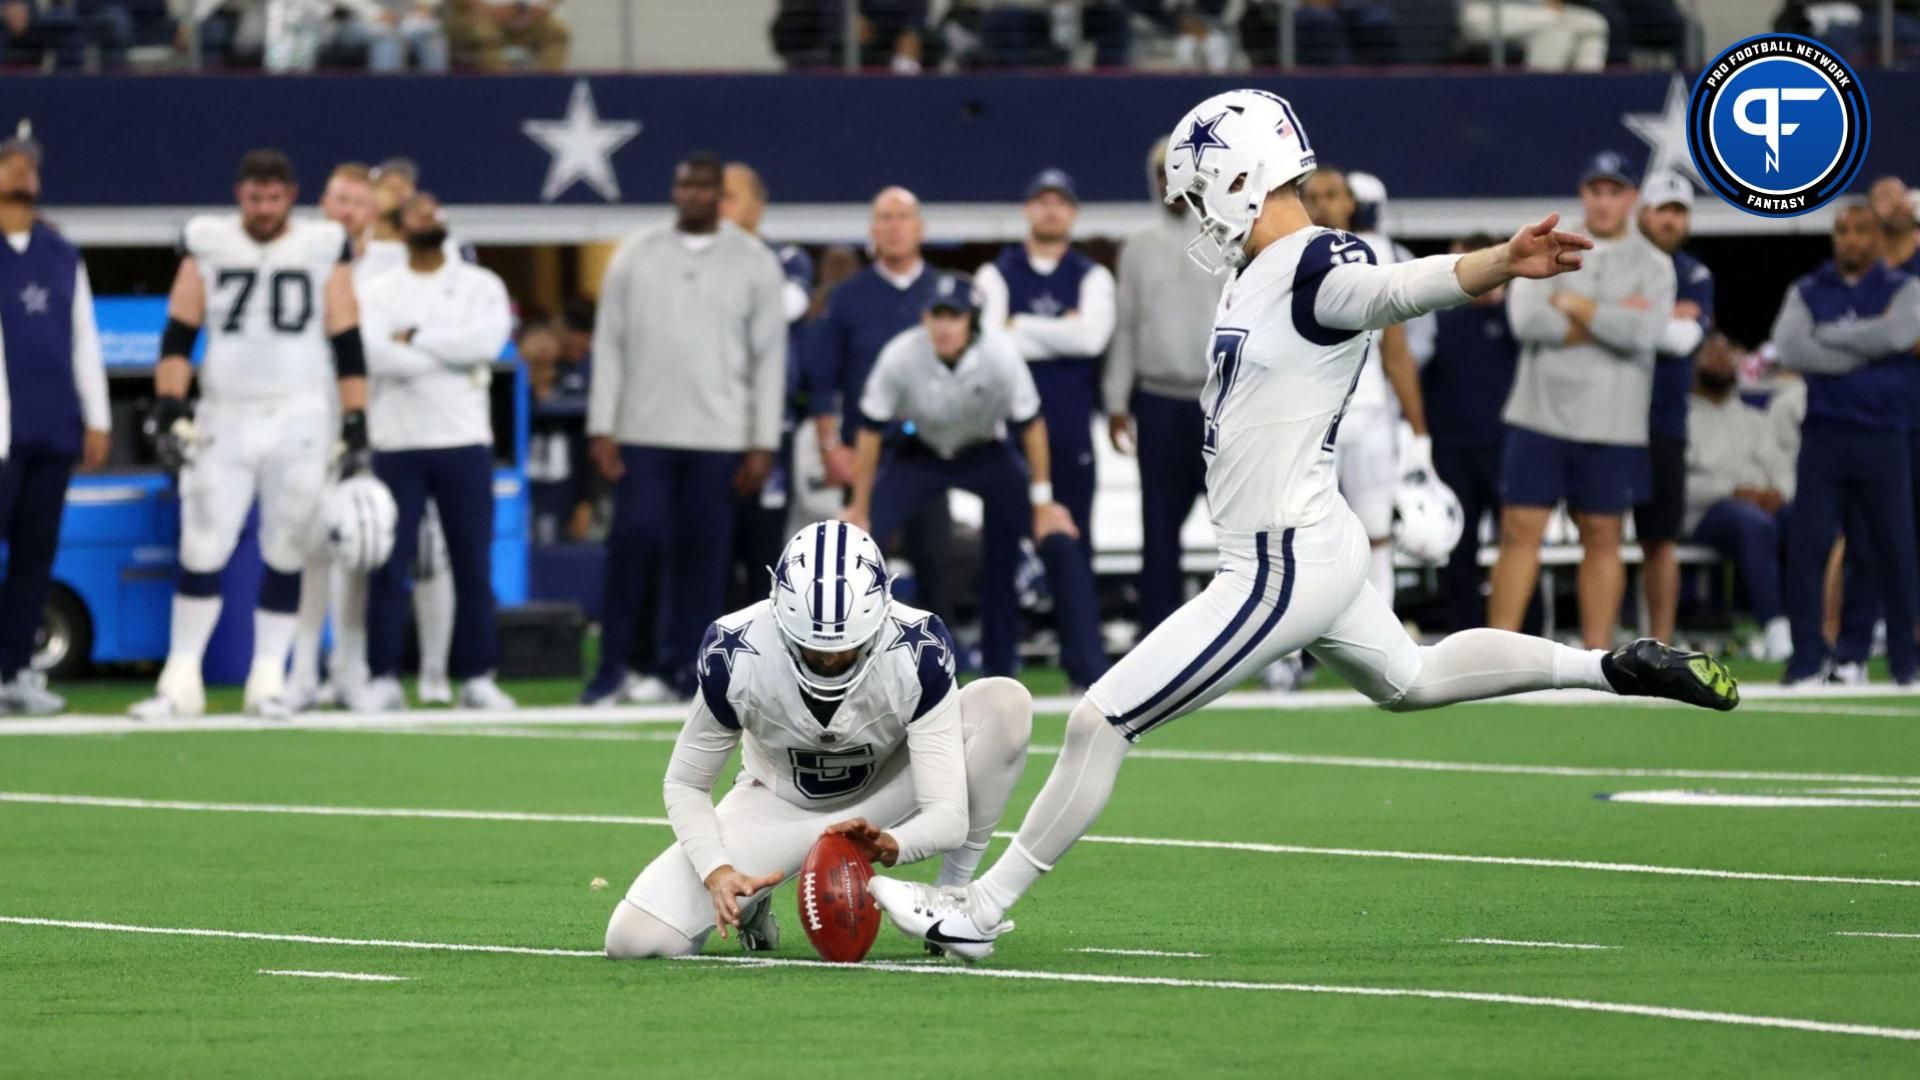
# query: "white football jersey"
x,y
1291,337
1373,391
747,683
266,321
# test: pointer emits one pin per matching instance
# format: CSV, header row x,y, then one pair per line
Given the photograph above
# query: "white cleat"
x,y
1848,674
179,693
381,695
28,695
266,693
483,693
647,690
759,931
943,917
433,690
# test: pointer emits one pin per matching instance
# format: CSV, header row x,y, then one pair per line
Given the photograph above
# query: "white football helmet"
x,y
1427,521
1369,201
1248,136
360,518
831,594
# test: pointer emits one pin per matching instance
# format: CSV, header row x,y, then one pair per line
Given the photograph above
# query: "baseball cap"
x,y
1052,180
1665,188
952,292
1609,165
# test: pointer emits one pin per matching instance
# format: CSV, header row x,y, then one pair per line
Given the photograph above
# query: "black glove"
x,y
170,446
355,457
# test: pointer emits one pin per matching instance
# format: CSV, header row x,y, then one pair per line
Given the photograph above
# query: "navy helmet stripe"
x,y
1213,648
819,574
1180,708
839,579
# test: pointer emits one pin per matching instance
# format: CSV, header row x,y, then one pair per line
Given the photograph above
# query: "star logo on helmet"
x,y
878,582
916,638
1202,138
726,645
780,576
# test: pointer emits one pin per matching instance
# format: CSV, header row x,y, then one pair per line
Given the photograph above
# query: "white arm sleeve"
x,y
1359,296
938,760
1084,333
609,345
994,297
879,400
89,366
387,358
699,756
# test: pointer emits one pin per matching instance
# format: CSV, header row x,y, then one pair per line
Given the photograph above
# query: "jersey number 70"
x,y
289,299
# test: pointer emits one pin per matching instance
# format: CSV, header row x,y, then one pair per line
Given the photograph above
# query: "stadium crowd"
x,y
837,389
912,36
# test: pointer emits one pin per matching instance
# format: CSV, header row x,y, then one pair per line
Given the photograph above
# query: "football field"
x,y
1303,887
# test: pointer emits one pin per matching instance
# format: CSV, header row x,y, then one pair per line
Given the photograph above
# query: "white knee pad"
x,y
633,934
203,550
1000,709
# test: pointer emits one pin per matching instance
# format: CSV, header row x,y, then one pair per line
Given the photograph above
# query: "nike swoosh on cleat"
x,y
934,935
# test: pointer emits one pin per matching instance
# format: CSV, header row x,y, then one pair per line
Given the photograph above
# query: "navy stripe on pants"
x,y
1069,392
33,494
1472,470
459,480
667,560
1862,476
1173,473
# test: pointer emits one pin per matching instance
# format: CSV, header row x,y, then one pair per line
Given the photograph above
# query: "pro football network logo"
x,y
1778,125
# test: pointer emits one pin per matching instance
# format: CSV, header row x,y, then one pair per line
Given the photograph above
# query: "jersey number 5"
x,y
289,299
829,774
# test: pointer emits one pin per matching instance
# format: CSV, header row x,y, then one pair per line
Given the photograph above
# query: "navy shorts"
x,y
1591,478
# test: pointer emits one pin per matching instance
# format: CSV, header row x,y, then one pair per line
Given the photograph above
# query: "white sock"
x,y
348,666
193,621
1075,792
1005,882
273,636
316,588
958,866
433,615
1579,669
1380,570
996,723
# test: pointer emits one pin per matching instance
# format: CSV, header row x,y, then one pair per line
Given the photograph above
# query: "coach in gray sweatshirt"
x,y
683,414
1156,367
1580,403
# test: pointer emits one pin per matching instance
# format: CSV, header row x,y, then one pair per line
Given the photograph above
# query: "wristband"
x,y
1041,493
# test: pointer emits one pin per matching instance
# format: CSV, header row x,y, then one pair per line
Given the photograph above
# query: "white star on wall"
x,y
582,146
34,299
1666,133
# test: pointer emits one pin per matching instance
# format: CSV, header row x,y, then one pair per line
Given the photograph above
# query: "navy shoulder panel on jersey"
x,y
1323,253
720,650
932,651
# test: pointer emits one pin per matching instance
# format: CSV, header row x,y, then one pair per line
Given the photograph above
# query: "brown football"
x,y
840,917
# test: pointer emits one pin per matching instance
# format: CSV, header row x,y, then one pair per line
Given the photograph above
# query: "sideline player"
x,y
844,708
283,325
1290,336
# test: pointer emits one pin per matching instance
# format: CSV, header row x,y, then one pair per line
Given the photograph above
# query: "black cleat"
x,y
1648,668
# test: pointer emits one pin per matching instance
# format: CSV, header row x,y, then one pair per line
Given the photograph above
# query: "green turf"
x,y
76,1002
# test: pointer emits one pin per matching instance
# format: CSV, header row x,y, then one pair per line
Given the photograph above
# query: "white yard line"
x,y
1662,1012
115,802
1144,952
79,724
1875,934
1531,944
1675,797
350,976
